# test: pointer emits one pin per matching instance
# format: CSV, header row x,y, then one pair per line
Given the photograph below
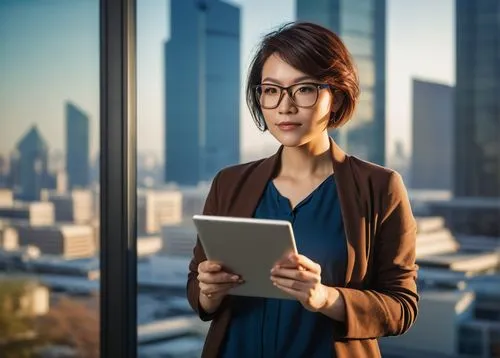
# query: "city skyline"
x,y
24,78
60,238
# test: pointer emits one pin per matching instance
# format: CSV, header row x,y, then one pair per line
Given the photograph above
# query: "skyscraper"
x,y
31,165
4,171
202,90
361,25
477,134
433,123
77,147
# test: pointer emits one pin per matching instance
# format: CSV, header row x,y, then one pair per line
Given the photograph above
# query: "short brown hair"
x,y
314,50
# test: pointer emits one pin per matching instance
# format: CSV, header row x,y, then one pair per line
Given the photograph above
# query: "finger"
x,y
294,293
298,275
289,265
307,263
209,266
219,277
285,259
291,283
217,290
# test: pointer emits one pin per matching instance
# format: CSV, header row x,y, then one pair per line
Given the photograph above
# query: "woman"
x,y
354,279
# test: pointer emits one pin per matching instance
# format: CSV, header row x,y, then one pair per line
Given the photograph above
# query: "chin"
x,y
291,139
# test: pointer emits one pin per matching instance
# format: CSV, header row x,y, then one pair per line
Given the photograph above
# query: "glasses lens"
x,y
268,95
305,95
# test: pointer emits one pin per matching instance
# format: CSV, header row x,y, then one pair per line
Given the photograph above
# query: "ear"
x,y
338,99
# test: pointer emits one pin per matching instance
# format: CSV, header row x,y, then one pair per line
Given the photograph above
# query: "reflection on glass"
x,y
49,93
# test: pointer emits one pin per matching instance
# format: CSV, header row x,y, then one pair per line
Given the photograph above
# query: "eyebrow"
x,y
298,79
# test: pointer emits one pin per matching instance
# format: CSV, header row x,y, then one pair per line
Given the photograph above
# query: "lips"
x,y
287,126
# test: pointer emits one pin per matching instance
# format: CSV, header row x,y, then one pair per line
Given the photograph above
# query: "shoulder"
x,y
233,182
376,176
384,188
234,175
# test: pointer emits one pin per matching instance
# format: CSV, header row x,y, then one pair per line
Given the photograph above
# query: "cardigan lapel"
x,y
349,204
253,186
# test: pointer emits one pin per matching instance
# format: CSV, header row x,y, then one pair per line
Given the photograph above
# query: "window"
x,y
49,146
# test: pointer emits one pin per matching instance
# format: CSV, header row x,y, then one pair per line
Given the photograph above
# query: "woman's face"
x,y
290,124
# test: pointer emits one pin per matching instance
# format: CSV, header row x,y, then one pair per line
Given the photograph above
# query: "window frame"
x,y
118,191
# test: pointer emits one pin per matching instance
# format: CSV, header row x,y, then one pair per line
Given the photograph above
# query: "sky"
x,y
49,54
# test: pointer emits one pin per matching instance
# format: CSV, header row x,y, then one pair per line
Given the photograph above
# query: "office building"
x,y
33,213
193,200
31,160
68,241
432,122
156,208
9,239
362,26
77,147
180,239
4,171
477,131
6,198
202,90
74,207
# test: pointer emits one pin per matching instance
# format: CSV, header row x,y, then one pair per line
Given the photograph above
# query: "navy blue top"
x,y
270,328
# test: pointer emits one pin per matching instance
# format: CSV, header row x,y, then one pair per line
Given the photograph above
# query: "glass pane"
x,y
49,197
165,237
189,101
193,121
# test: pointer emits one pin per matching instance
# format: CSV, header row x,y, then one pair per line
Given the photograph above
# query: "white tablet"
x,y
247,247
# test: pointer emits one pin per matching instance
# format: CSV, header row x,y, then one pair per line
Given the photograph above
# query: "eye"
x,y
306,89
269,90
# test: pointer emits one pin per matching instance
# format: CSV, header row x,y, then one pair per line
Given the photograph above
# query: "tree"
x,y
18,337
70,322
74,324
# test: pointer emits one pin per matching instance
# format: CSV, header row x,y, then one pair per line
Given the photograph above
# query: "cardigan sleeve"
x,y
193,289
389,307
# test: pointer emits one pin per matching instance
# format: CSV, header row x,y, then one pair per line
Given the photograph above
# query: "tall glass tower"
x,y
202,90
477,101
361,25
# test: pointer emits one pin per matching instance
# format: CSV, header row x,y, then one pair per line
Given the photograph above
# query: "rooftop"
x,y
462,261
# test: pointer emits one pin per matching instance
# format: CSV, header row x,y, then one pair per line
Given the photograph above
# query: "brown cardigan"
x,y
380,291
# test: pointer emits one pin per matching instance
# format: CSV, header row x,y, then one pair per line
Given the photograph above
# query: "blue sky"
x,y
49,53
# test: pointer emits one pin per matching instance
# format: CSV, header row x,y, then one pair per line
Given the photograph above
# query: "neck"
x,y
310,159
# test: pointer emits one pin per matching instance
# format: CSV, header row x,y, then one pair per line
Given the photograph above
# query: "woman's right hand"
x,y
214,284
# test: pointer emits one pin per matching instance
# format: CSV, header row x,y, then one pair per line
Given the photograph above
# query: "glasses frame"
x,y
319,87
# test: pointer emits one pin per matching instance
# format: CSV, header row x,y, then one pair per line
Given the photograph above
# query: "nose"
x,y
286,104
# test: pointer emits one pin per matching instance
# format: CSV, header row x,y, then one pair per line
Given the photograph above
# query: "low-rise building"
x,y
74,207
156,208
179,240
35,213
65,240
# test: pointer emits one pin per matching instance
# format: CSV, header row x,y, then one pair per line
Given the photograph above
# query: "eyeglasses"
x,y
303,95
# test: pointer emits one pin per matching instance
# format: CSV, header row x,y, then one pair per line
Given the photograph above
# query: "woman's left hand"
x,y
300,277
